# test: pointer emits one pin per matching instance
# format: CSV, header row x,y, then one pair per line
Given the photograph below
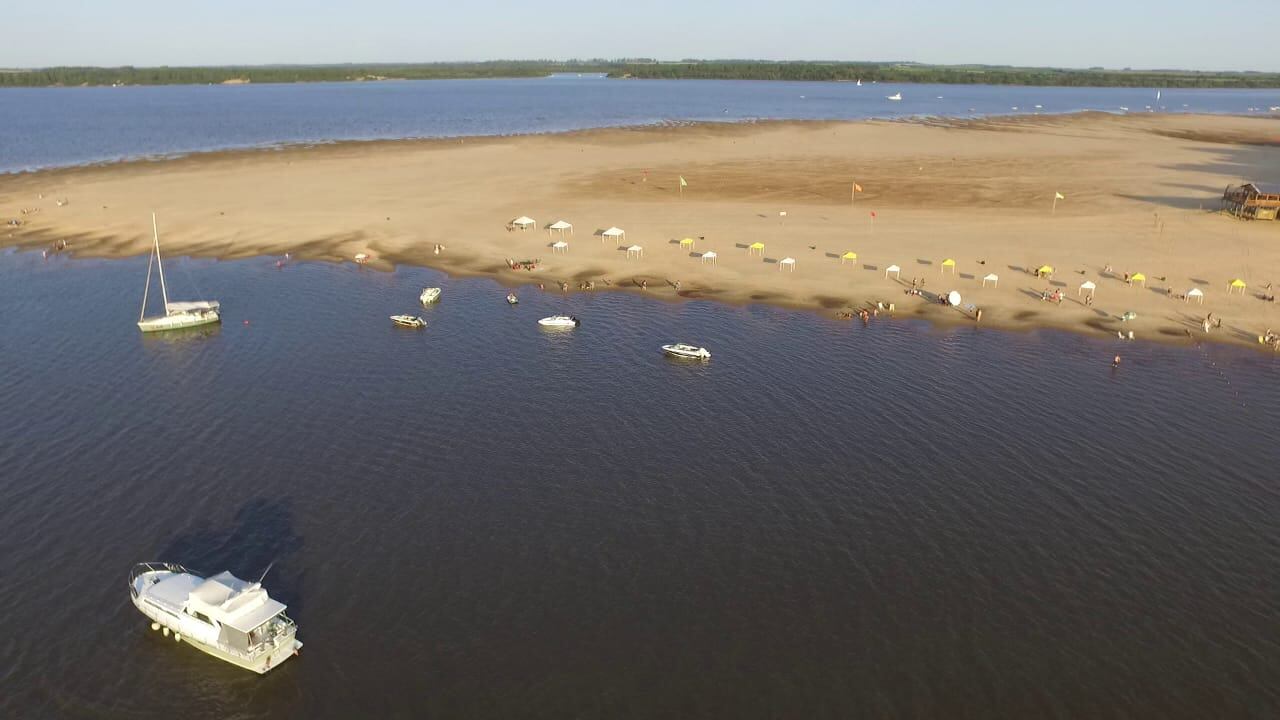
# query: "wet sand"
x,y
1140,191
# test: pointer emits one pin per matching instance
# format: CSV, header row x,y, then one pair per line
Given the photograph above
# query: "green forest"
x,y
644,69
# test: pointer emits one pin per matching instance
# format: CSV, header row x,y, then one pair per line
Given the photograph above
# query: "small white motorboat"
x,y
688,352
895,96
412,321
224,616
429,295
512,299
559,321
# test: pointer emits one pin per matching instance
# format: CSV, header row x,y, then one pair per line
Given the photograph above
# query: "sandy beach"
x,y
1140,195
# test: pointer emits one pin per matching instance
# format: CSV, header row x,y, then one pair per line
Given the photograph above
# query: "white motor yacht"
x,y
895,96
690,352
412,321
224,616
559,321
512,299
176,314
429,295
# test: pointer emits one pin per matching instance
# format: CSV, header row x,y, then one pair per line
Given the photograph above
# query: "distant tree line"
x,y
642,68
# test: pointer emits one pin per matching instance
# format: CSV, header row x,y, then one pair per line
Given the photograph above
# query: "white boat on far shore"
x,y
895,96
687,352
224,616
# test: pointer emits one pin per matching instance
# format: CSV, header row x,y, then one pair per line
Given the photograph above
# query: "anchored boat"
x,y
176,314
224,616
429,295
559,321
688,352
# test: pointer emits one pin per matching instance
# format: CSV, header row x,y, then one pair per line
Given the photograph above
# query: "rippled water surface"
x,y
483,519
41,127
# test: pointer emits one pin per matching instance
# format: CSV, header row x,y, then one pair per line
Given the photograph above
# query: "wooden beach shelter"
x,y
1044,271
893,269
1236,284
617,233
560,246
635,250
849,256
1087,285
524,222
686,243
560,226
710,255
1196,293
1252,201
1139,278
993,278
789,261
948,263
756,247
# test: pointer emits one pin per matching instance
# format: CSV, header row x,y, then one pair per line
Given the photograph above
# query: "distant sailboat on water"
x,y
176,314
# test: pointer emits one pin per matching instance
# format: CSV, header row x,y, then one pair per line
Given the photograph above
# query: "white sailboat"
x,y
176,314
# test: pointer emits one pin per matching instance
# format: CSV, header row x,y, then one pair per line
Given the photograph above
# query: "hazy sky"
x,y
1078,33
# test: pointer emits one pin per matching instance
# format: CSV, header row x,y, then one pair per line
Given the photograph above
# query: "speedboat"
x,y
224,616
412,321
559,321
690,352
512,299
895,96
429,295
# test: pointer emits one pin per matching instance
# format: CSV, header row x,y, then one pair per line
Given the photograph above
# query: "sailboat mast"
x,y
151,260
155,233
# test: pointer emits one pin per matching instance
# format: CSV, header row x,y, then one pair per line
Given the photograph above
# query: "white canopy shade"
x,y
614,232
524,221
787,261
1196,293
560,226
1087,285
709,255
893,269
560,245
993,278
635,249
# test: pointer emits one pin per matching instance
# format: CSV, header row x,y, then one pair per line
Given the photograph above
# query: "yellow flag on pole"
x,y
1059,196
682,182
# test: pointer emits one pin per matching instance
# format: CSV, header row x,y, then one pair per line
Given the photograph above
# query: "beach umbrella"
x,y
893,269
756,247
787,261
1044,270
993,278
949,263
851,256
953,298
1236,284
1196,293
1087,285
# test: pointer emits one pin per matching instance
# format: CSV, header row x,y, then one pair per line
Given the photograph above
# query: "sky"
x,y
1081,33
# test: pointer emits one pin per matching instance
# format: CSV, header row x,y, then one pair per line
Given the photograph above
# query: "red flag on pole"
x,y
873,213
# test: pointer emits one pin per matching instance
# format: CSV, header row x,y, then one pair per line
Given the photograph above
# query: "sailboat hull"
x,y
177,321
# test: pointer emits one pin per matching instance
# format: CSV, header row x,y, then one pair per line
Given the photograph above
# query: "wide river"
x,y
483,519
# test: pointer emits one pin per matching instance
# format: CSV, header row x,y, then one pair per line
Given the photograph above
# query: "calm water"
x,y
44,127
485,520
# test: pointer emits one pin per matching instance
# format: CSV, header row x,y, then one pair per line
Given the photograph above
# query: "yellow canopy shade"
x,y
1138,277
757,246
1044,269
851,255
1237,283
949,261
687,241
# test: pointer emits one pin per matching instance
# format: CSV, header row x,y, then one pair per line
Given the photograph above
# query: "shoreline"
x,y
981,202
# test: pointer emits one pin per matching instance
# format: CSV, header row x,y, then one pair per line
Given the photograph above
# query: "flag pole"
x,y
1054,210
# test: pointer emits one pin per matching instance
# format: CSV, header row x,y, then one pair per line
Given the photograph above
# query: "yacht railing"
x,y
143,568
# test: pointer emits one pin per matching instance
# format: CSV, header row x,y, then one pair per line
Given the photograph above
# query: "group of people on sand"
x,y
1055,296
1271,340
